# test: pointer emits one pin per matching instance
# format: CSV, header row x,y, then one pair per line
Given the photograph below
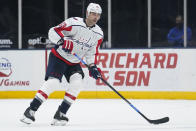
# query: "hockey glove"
x,y
67,46
94,72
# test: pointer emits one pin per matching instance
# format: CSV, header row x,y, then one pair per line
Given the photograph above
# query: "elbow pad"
x,y
53,36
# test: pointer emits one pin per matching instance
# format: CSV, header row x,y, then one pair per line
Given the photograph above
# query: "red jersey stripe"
x,y
97,52
59,29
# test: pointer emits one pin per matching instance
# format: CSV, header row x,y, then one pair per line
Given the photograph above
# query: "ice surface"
x,y
102,115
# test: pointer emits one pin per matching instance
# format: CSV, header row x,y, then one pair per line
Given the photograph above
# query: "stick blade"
x,y
159,121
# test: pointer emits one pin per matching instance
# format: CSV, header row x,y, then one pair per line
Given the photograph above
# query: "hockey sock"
x,y
35,104
72,92
64,106
47,88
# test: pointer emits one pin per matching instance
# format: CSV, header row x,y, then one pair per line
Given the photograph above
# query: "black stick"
x,y
157,121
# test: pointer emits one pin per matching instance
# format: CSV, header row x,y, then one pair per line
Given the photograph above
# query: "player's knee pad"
x,y
76,84
47,88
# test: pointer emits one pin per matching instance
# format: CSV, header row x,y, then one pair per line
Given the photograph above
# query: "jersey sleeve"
x,y
57,33
91,55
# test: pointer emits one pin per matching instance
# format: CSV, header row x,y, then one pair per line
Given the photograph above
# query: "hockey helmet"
x,y
93,7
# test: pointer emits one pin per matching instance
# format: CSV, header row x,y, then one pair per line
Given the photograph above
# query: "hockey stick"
x,y
157,121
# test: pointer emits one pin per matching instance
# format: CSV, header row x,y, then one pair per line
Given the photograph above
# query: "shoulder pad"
x,y
98,30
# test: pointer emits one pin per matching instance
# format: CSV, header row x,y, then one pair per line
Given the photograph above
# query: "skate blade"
x,y
26,120
59,122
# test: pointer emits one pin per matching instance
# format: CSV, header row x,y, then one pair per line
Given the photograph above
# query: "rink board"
x,y
137,74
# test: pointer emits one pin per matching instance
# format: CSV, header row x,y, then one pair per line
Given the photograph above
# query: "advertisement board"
x,y
149,70
136,73
21,70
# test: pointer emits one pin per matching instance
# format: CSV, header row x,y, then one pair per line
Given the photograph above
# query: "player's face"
x,y
92,18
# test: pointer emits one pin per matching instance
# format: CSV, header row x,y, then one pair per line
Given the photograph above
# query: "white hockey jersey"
x,y
86,40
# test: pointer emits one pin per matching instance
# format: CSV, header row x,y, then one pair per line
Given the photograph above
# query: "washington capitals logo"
x,y
5,67
83,43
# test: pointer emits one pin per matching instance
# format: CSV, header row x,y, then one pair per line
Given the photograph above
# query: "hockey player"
x,y
81,36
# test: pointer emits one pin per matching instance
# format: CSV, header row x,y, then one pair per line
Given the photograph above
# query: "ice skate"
x,y
28,117
59,119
